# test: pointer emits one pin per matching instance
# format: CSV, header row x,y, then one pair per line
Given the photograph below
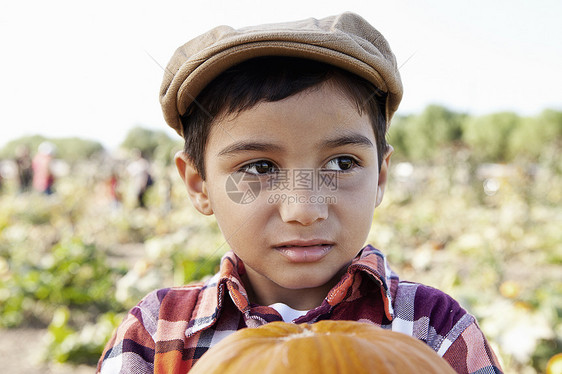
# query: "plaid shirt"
x,y
171,328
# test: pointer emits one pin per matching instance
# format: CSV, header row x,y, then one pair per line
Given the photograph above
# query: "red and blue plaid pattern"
x,y
170,329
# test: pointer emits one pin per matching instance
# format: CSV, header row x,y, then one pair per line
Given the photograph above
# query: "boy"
x,y
284,129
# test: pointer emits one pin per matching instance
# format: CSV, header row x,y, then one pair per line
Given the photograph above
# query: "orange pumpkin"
x,y
323,347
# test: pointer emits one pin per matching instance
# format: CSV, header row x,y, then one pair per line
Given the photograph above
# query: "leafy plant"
x,y
73,274
66,343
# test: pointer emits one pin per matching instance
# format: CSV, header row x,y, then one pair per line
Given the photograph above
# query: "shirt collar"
x,y
372,262
228,280
212,296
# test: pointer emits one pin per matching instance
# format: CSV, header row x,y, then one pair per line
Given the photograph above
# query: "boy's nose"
x,y
304,208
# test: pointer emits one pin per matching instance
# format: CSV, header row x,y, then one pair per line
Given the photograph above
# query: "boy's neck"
x,y
299,299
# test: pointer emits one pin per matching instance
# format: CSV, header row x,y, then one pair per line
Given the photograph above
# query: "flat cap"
x,y
346,41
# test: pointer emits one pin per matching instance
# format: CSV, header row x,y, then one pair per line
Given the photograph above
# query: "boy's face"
x,y
312,160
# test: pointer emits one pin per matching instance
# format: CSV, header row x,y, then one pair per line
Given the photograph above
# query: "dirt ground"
x,y
20,349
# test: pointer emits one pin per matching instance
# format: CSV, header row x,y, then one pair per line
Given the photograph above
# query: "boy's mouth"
x,y
302,251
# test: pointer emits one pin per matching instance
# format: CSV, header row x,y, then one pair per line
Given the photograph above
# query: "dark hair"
x,y
269,79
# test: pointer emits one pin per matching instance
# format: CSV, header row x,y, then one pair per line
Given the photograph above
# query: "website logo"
x,y
242,188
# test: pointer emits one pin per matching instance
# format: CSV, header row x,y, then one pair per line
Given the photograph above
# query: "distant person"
x,y
43,177
113,186
139,170
25,172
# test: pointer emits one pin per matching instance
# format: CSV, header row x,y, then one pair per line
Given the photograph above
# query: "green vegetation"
x,y
68,149
152,144
421,137
497,137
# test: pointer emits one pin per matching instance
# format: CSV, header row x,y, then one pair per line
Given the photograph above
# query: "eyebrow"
x,y
245,146
351,139
340,141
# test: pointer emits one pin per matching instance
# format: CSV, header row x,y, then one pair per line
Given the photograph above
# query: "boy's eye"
x,y
259,167
342,163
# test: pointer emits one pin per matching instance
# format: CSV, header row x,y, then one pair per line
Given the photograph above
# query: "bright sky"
x,y
93,69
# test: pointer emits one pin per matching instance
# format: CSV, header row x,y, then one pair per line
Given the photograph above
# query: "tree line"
x,y
498,137
153,144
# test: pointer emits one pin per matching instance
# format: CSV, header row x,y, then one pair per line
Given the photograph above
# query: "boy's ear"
x,y
383,175
196,186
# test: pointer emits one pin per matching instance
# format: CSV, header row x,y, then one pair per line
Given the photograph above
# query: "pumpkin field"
x,y
484,228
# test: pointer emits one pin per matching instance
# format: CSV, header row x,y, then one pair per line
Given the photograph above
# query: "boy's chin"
x,y
309,281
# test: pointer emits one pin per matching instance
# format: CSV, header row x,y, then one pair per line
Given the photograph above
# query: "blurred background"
x,y
93,215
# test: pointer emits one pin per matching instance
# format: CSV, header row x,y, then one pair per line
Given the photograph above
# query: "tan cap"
x,y
346,41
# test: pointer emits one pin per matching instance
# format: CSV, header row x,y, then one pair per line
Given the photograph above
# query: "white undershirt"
x,y
287,313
